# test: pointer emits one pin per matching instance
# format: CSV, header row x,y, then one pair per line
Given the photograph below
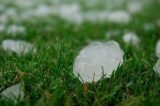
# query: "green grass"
x,y
51,81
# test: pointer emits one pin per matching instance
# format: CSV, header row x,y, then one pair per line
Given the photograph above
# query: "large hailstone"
x,y
158,49
96,60
17,46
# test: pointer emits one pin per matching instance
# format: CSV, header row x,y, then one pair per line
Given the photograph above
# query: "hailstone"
x,y
157,67
15,29
14,93
119,17
97,60
158,49
131,38
17,46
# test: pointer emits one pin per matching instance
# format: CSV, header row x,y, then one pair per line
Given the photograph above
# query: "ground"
x,y
49,79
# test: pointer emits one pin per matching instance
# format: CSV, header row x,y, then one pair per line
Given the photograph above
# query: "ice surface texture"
x,y
97,60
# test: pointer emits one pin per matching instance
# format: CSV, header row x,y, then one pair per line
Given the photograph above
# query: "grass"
x,y
51,81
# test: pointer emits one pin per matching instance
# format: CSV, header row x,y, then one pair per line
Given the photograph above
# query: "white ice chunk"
x,y
14,93
2,28
15,29
113,33
10,12
96,60
119,16
149,26
17,46
131,38
134,7
71,13
157,67
158,49
45,10
3,18
96,16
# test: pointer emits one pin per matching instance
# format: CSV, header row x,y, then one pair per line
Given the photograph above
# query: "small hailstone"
x,y
131,38
148,26
27,15
158,49
11,12
15,29
43,10
119,17
3,18
135,7
26,3
2,28
17,46
71,13
102,16
2,7
14,93
96,16
157,67
96,60
113,33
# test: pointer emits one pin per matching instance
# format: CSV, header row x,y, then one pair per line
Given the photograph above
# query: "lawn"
x,y
47,75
